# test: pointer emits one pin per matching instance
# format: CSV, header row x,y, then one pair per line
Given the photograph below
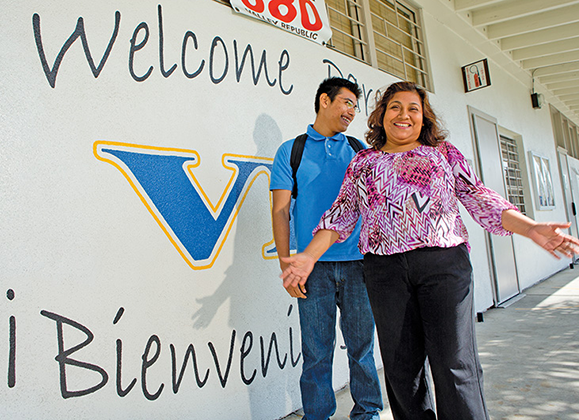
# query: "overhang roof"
x,y
535,40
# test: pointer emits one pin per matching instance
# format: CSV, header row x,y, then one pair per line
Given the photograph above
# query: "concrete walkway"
x,y
529,352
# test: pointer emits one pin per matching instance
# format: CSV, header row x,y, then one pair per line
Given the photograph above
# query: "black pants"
x,y
422,302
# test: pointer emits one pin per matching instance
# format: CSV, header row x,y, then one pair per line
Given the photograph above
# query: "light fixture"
x,y
537,99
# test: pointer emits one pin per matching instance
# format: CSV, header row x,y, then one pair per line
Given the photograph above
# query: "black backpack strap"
x,y
295,160
298,151
355,143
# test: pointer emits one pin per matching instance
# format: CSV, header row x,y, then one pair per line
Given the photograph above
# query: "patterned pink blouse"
x,y
409,200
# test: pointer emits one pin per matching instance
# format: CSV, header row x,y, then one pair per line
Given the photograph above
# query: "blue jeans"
x,y
331,285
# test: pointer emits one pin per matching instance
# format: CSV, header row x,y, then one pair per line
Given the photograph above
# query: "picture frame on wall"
x,y
542,182
476,75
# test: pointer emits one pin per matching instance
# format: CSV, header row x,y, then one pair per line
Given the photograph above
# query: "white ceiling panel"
x,y
535,40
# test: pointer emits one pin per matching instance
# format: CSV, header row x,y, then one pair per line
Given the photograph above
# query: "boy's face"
x,y
339,113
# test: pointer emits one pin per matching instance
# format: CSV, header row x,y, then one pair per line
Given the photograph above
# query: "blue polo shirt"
x,y
320,175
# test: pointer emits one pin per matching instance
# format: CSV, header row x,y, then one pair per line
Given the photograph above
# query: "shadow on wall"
x,y
243,283
253,290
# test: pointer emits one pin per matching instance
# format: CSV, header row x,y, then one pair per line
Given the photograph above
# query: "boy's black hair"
x,y
331,87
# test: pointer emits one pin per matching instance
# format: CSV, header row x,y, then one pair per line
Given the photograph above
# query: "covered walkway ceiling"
x,y
532,39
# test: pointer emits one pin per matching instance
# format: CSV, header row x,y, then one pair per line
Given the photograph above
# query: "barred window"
x,y
386,34
512,173
347,28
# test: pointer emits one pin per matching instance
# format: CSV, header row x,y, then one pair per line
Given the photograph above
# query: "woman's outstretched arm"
x,y
547,235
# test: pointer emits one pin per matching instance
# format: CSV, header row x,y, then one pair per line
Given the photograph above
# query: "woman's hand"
x,y
296,274
550,237
547,235
299,267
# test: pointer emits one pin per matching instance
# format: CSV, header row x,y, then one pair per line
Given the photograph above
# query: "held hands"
x,y
549,237
296,272
294,291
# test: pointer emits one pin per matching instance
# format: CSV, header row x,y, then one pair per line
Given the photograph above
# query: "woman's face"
x,y
403,121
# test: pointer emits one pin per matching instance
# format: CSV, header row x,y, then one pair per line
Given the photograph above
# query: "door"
x,y
569,168
502,255
567,176
574,184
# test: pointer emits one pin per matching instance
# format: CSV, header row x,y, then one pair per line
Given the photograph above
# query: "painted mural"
x,y
138,261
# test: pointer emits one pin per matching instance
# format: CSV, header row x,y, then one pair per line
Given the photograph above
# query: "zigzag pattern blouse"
x,y
409,200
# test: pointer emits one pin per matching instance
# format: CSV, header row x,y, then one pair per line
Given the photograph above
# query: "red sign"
x,y
306,18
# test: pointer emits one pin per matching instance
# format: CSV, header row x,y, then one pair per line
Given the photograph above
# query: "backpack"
x,y
298,151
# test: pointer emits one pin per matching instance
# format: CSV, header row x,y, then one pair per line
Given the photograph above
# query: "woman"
x,y
406,188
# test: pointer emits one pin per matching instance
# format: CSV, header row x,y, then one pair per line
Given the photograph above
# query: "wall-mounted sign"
x,y
306,18
476,75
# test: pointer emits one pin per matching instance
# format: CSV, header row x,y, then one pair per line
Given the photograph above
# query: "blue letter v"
x,y
164,181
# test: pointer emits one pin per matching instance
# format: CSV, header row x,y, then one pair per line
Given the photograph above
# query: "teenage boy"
x,y
337,279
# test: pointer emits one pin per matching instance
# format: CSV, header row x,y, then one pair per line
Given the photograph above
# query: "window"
x,y
512,173
566,133
347,28
386,34
383,33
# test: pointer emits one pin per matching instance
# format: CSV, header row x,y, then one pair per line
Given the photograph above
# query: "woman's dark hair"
x,y
432,132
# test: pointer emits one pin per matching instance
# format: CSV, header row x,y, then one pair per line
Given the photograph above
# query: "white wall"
x,y
83,237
